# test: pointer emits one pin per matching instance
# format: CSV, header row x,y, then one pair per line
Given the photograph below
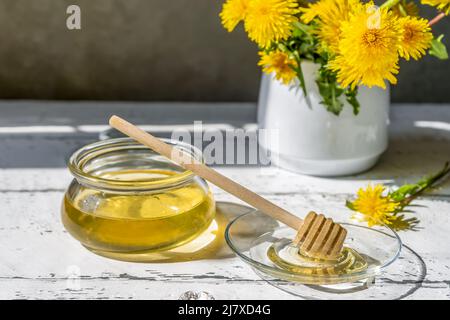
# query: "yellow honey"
x,y
286,256
142,221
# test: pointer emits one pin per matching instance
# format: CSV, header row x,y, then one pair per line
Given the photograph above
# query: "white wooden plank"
x,y
36,248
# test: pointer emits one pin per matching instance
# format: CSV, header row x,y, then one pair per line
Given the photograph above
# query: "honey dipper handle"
x,y
200,169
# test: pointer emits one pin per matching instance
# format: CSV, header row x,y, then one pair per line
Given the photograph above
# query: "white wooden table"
x,y
39,260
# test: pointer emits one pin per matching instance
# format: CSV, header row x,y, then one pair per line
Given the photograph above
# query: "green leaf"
x,y
350,205
352,100
330,95
304,28
297,33
402,10
282,47
438,49
389,4
301,78
330,90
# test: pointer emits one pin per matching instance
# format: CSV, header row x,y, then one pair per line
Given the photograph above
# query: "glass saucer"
x,y
253,235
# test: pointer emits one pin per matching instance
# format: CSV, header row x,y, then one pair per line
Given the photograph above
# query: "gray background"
x,y
152,50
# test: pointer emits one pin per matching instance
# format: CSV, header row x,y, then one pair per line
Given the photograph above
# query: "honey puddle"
x,y
286,256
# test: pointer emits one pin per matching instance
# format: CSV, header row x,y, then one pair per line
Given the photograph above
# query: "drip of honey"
x,y
286,256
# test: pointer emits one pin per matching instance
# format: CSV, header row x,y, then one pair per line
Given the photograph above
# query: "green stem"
x,y
402,10
389,4
301,77
431,182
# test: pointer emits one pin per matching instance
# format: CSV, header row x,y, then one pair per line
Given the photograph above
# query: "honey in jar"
x,y
126,199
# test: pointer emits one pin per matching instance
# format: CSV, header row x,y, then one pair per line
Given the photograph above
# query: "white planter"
x,y
313,141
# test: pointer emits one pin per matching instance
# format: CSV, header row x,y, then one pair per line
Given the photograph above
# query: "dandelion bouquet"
x,y
355,43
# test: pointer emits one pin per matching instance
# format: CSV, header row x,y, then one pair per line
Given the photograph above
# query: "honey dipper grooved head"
x,y
320,237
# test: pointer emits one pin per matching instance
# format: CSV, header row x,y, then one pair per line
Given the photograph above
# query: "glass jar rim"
x,y
88,152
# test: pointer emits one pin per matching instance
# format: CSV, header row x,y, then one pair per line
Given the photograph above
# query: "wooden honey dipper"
x,y
317,236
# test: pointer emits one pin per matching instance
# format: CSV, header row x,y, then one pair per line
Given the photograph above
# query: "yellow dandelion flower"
x,y
270,20
416,37
368,52
443,5
312,11
407,8
279,63
373,206
233,12
330,15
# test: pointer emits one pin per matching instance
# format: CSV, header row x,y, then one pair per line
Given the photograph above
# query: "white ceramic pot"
x,y
313,141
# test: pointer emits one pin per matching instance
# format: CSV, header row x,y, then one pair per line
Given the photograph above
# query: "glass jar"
x,y
127,199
